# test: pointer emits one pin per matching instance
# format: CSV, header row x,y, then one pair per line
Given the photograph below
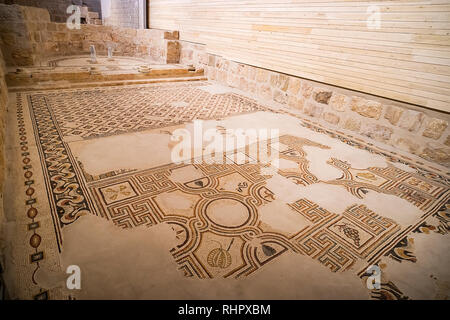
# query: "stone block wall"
x,y
420,131
18,42
28,38
56,8
3,107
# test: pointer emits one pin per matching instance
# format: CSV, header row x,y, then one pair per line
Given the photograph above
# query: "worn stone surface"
x,y
376,131
393,114
307,89
233,67
435,128
296,102
280,96
252,87
294,86
173,52
211,73
436,152
352,124
407,145
312,109
366,108
243,84
57,9
447,141
331,118
222,76
233,80
322,96
202,58
251,73
3,109
339,102
262,75
265,91
279,81
211,60
32,37
242,70
411,120
172,35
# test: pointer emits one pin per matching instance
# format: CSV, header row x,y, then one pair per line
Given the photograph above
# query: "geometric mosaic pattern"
x,y
339,240
238,245
291,148
216,214
241,243
87,113
101,112
209,244
415,188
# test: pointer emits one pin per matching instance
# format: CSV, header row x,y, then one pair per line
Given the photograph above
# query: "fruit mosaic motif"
x,y
350,232
219,257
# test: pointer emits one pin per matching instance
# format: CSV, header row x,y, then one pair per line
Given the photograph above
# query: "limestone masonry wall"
x,y
413,129
56,8
28,37
3,104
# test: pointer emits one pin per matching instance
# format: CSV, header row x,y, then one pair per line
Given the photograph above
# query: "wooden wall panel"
x,y
406,59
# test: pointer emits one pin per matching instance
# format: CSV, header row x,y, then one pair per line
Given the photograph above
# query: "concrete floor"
x,y
92,183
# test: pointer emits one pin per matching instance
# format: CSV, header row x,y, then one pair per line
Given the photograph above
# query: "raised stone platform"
x,y
79,70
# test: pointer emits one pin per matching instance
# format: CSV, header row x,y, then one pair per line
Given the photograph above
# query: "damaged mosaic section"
x,y
227,220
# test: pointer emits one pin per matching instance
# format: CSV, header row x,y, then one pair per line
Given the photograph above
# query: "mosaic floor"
x,y
97,189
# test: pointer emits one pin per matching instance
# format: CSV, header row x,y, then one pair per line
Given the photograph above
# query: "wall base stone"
x,y
3,110
410,128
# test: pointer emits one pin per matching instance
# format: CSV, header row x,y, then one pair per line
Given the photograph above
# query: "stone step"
x,y
63,85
